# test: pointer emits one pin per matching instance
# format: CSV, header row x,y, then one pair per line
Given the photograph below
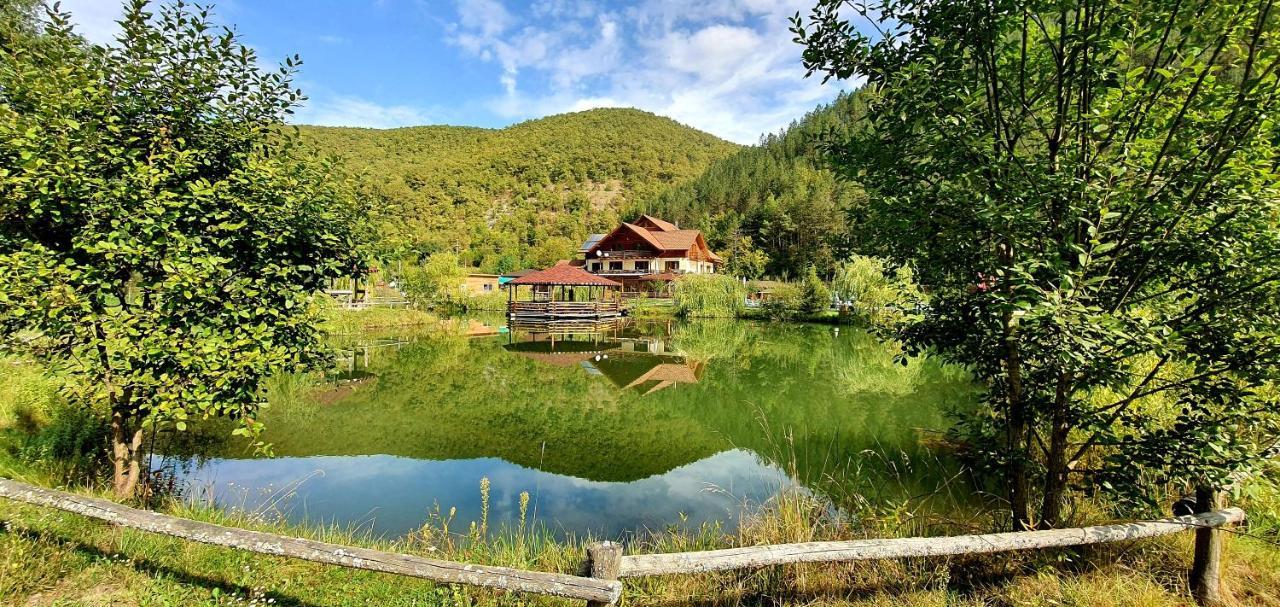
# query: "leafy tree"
x,y
743,259
879,294
161,241
814,294
439,283
548,251
1089,188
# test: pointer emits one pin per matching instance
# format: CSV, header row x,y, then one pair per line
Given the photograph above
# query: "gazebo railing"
x,y
565,308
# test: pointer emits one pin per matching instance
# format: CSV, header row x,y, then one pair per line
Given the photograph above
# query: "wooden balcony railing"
x,y
565,308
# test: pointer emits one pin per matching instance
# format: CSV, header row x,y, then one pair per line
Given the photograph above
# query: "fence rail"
x,y
502,578
861,550
605,561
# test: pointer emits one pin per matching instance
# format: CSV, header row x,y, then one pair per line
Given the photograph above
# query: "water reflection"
x,y
631,426
409,491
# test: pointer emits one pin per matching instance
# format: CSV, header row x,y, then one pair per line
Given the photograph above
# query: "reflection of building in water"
x,y
352,363
646,363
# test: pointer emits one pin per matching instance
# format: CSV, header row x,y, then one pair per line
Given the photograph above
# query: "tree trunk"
x,y
126,456
1206,570
1017,435
1056,470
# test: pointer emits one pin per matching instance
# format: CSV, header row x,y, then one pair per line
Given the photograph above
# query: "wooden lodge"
x,y
563,292
647,255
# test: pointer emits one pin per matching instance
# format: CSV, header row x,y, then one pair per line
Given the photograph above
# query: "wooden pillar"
x,y
604,561
1206,569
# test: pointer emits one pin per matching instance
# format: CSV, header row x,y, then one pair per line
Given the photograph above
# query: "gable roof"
x,y
664,237
564,275
660,225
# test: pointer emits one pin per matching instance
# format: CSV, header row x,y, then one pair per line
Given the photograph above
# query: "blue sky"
x,y
727,67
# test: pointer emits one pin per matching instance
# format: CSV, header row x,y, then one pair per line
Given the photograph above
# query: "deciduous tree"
x,y
160,241
1089,190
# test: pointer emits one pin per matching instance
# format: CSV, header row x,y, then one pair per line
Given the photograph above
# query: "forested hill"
x,y
525,195
774,208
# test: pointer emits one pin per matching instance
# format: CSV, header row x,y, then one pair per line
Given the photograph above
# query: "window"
x,y
488,287
615,265
595,266
673,266
642,266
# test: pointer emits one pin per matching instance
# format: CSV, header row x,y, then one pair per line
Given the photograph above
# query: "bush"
x,y
880,295
814,294
783,303
437,284
495,301
709,296
72,444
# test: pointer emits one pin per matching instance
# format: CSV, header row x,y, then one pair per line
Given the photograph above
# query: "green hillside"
x,y
523,195
776,198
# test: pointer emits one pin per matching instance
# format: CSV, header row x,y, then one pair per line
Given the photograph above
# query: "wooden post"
x,y
1206,569
604,562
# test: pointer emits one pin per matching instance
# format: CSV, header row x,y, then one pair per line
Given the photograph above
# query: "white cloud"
x,y
347,110
729,68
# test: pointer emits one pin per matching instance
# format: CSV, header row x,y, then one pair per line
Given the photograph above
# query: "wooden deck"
x,y
564,309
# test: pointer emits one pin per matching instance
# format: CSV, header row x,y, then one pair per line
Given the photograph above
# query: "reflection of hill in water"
x,y
731,385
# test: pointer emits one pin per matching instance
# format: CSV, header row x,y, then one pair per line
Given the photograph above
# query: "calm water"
x,y
645,426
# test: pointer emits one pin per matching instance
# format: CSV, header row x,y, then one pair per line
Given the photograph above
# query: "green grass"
x,y
53,558
351,322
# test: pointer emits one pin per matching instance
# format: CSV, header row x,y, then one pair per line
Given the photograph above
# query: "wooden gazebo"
x,y
564,291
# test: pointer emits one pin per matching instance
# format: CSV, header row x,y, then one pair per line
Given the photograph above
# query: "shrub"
x,y
880,294
437,284
70,445
709,296
814,294
783,303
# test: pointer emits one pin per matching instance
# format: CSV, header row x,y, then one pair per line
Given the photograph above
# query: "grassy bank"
x,y
52,558
348,322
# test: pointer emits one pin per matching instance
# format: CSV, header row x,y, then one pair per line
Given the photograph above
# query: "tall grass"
x,y
709,296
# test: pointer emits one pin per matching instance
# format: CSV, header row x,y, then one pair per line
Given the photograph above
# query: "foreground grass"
x,y
52,558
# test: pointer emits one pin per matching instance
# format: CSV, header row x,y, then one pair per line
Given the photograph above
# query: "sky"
x,y
728,67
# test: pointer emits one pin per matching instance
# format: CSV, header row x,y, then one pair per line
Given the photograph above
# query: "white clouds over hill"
x,y
729,68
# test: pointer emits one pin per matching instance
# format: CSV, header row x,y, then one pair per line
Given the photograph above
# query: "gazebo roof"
x,y
566,275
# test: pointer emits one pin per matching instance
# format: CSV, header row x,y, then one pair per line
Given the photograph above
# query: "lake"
x,y
641,426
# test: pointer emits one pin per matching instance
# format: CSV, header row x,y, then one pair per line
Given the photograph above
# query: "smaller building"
x,y
481,284
510,276
563,291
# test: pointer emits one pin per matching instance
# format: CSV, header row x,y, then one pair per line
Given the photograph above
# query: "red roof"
x,y
662,226
663,236
565,275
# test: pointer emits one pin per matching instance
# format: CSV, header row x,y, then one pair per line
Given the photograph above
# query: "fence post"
x,y
1206,569
604,561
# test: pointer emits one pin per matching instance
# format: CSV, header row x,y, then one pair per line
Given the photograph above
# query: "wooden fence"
x,y
564,308
605,561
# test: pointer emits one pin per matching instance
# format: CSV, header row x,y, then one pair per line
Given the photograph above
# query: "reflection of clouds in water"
x,y
396,494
